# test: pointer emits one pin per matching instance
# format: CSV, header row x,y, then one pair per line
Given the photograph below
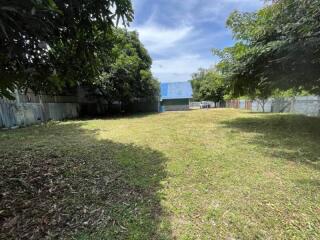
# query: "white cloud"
x,y
179,68
218,11
180,64
158,38
180,34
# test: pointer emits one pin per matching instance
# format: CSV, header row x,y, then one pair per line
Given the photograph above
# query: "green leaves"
x,y
54,37
125,70
208,85
277,48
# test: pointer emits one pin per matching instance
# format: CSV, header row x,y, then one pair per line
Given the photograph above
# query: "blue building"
x,y
175,96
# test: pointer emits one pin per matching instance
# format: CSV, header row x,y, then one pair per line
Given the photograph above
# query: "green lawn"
x,y
211,174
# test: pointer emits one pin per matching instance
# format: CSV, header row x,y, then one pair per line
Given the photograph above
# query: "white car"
x,y
204,105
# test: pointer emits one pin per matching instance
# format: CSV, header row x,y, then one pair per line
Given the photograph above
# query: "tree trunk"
x,y
262,103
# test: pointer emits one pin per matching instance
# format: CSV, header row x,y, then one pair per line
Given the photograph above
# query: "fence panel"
x,y
306,105
29,109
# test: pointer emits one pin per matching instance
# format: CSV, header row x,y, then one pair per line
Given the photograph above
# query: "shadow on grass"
x,y
310,182
60,181
129,115
292,137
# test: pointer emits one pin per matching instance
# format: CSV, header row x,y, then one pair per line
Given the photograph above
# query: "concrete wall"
x,y
242,104
257,106
306,105
28,108
14,114
174,104
176,108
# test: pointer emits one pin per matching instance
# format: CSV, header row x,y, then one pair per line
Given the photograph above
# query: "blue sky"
x,y
179,34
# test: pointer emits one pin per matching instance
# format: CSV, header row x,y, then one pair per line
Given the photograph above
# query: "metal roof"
x,y
176,90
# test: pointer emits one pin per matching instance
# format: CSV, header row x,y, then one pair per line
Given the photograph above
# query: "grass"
x,y
211,174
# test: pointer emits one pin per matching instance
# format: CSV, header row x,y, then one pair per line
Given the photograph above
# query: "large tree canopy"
x,y
208,85
126,69
277,48
48,44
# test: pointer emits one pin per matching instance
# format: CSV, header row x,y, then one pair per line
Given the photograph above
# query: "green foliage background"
x,y
53,45
276,49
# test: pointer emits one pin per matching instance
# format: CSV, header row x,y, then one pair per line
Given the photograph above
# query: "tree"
x,y
208,85
49,44
276,48
126,70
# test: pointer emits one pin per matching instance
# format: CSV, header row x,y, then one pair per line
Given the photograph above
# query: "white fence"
x,y
306,105
29,109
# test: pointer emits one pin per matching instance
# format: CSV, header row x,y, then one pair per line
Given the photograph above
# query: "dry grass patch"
x,y
211,174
